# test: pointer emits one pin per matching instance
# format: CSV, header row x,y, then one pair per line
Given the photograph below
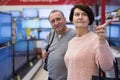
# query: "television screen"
x,y
70,26
30,13
31,23
113,31
20,32
5,11
20,55
5,27
6,63
32,51
44,23
15,13
66,12
31,34
44,13
34,33
43,34
113,34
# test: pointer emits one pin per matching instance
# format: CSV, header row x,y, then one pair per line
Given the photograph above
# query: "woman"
x,y
87,50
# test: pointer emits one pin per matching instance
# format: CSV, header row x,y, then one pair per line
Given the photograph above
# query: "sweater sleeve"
x,y
104,57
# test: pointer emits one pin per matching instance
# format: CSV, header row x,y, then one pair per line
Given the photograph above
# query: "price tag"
x,y
31,64
119,12
28,31
18,77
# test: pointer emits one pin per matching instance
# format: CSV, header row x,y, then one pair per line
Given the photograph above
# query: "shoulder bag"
x,y
100,77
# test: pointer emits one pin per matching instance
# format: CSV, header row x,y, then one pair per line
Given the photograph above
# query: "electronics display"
x,y
44,23
30,13
15,13
66,13
44,13
6,63
43,34
20,55
70,26
113,35
31,23
20,32
31,33
5,27
113,31
34,34
32,51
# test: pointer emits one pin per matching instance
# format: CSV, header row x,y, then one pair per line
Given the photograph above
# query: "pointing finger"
x,y
103,26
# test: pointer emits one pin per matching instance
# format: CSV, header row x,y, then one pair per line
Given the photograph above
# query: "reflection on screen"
x,y
5,27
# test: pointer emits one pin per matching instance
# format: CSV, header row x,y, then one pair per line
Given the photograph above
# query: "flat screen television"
x,y
20,55
30,13
5,27
43,34
113,35
31,48
70,26
20,31
6,62
44,23
113,31
15,13
44,13
66,13
31,23
34,33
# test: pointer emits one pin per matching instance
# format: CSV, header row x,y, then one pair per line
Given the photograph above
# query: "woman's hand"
x,y
101,31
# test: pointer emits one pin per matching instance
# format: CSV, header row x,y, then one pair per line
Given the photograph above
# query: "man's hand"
x,y
44,55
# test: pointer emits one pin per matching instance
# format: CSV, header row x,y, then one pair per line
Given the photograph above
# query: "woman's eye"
x,y
77,14
84,14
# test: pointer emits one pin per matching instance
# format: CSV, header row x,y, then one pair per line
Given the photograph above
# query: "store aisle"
x,y
41,75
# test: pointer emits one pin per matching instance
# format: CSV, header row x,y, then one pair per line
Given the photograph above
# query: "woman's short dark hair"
x,y
86,9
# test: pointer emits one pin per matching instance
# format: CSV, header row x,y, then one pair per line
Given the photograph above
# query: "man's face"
x,y
57,21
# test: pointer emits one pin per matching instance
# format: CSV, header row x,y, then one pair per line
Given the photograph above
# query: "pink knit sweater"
x,y
84,55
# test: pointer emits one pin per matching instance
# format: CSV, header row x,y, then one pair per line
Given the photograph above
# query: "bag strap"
x,y
116,68
115,63
50,39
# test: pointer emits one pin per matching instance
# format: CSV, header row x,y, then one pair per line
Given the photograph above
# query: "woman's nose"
x,y
80,16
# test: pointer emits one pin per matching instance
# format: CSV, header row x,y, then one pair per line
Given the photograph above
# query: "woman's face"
x,y
80,18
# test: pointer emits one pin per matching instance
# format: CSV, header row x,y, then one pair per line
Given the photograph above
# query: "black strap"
x,y
50,40
115,69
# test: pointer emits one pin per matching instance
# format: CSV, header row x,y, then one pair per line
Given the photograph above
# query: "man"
x,y
63,34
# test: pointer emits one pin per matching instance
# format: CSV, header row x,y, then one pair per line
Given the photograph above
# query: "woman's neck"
x,y
81,31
